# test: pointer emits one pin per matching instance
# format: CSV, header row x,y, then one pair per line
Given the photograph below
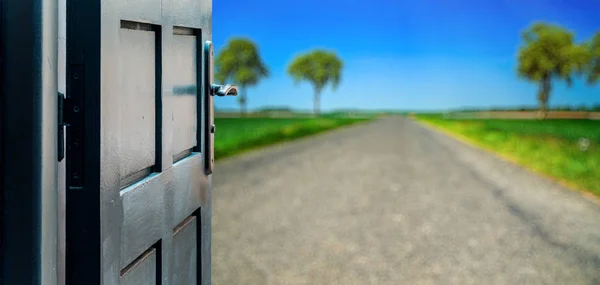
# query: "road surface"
x,y
393,202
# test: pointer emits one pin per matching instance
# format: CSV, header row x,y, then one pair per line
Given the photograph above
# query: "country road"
x,y
393,202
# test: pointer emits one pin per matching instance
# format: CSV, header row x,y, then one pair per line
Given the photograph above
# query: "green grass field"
x,y
235,135
549,147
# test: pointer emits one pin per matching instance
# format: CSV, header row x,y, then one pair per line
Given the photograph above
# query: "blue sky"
x,y
401,54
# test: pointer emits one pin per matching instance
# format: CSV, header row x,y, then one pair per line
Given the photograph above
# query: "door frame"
x,y
28,147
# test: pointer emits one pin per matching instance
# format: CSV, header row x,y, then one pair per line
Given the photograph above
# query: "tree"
x,y
592,69
240,62
549,53
319,67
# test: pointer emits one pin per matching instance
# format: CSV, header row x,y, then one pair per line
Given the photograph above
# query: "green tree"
x,y
549,53
318,67
592,69
240,62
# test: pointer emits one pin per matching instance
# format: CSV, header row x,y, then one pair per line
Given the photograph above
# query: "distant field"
x,y
295,115
524,115
550,147
234,135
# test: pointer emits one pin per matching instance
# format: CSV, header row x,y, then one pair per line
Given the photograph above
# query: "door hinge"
x,y
63,122
61,127
74,121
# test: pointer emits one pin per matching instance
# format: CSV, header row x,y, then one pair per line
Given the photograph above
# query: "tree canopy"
x,y
593,66
549,53
240,62
319,67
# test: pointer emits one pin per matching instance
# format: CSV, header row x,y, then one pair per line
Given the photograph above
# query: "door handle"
x,y
209,91
224,90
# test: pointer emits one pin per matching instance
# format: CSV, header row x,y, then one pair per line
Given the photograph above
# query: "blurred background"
x,y
469,154
402,55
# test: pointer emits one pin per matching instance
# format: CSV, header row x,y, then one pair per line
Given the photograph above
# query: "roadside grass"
x,y
549,147
236,135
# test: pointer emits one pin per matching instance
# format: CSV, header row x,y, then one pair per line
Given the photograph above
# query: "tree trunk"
x,y
243,106
243,101
543,96
543,110
317,103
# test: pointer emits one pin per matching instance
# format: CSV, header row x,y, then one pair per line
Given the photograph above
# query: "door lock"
x,y
209,91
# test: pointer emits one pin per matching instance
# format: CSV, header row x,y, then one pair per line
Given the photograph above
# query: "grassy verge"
x,y
549,147
235,135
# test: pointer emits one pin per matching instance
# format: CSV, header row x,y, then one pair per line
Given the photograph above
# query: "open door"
x,y
139,141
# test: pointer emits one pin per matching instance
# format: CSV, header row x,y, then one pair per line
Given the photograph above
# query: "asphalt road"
x,y
392,202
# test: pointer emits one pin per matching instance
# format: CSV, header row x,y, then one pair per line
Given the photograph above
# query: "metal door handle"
x,y
223,90
209,91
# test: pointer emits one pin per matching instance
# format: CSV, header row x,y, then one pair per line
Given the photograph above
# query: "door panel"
x,y
184,254
184,90
136,101
142,271
143,216
187,173
139,207
144,11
